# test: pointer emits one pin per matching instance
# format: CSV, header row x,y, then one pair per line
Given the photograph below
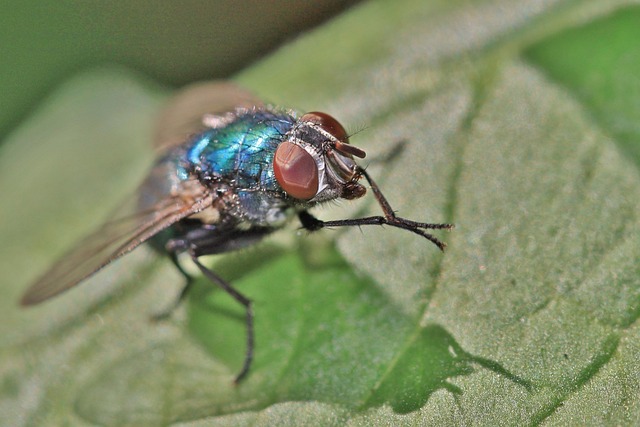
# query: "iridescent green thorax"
x,y
241,152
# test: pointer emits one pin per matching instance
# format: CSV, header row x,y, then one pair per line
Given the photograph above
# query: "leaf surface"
x,y
528,318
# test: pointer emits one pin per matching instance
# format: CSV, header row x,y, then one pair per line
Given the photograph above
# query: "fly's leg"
x,y
199,240
246,302
165,314
176,246
311,223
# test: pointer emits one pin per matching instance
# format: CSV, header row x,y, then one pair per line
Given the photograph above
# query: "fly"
x,y
243,175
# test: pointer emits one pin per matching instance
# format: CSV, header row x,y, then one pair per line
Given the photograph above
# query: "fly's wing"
x,y
183,114
113,240
181,118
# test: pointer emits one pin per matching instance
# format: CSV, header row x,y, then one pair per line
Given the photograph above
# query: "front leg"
x,y
312,223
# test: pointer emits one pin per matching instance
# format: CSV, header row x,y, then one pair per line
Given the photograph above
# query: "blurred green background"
x,y
44,43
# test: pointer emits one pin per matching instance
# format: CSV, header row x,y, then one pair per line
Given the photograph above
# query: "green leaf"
x,y
599,62
529,317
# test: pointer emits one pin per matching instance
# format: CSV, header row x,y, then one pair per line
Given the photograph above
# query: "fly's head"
x,y
315,162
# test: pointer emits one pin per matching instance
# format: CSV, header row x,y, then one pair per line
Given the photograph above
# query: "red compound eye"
x,y
327,123
295,171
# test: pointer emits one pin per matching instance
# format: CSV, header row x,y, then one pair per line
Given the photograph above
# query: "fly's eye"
x,y
335,129
295,171
327,123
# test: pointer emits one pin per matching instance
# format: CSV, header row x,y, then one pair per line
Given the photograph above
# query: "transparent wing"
x,y
113,240
181,118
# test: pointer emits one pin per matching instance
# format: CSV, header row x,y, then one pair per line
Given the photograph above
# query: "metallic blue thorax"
x,y
241,152
235,161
